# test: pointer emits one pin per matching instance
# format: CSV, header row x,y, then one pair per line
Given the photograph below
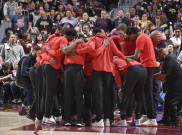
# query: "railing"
x,y
126,4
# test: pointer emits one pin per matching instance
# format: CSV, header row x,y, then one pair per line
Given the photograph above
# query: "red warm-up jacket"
x,y
76,59
121,68
55,51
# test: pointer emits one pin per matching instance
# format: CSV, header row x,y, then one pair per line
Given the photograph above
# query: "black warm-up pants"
x,y
102,94
50,83
87,89
73,86
134,84
148,101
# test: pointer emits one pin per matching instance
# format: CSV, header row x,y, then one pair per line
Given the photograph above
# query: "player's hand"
x,y
72,53
46,48
42,62
120,93
53,61
106,42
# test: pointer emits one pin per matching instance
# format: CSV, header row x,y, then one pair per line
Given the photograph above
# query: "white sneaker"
x,y
37,120
122,123
98,124
137,122
150,122
50,121
43,120
143,118
58,119
107,123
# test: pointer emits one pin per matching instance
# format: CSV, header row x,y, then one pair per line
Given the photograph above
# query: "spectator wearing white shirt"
x,y
9,9
177,40
69,19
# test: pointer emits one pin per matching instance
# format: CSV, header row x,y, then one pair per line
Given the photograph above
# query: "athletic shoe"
x,y
129,119
150,122
30,116
50,121
122,123
38,121
137,122
58,119
14,101
19,101
22,112
143,118
98,124
107,122
164,121
80,124
67,124
43,120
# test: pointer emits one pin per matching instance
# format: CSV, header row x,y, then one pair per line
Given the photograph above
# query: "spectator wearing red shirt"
x,y
145,51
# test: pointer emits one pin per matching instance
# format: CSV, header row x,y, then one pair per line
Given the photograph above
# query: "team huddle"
x,y
91,78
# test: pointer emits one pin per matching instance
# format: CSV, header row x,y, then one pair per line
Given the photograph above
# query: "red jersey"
x,y
55,51
76,59
118,41
147,55
128,48
103,61
39,58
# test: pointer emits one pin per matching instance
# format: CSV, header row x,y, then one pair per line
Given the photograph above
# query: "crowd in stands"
x,y
34,26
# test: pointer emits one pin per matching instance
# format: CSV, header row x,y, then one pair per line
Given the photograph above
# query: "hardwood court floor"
x,y
13,124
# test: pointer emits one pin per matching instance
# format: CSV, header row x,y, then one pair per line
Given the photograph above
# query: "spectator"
x,y
139,11
52,14
24,77
86,30
15,90
88,9
171,12
85,17
39,40
133,13
168,35
11,51
179,21
61,11
121,19
144,20
25,41
57,19
176,39
43,23
10,9
35,15
69,19
128,16
150,10
136,22
5,82
47,9
103,22
142,4
20,22
164,23
8,32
